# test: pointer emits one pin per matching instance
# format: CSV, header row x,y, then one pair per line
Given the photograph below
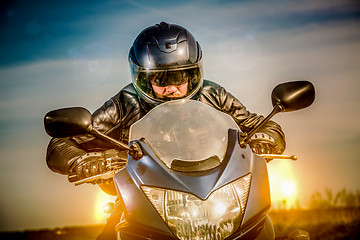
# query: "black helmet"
x,y
165,56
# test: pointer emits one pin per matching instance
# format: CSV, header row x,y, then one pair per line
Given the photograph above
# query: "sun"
x,y
101,200
288,189
283,185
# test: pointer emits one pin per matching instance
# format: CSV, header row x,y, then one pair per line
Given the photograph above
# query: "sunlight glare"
x,y
101,200
283,185
288,189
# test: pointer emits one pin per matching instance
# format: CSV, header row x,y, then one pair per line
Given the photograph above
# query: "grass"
x,y
329,223
66,233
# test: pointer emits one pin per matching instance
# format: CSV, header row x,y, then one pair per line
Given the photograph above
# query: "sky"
x,y
74,53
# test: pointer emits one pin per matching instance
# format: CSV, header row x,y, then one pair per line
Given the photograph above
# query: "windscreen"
x,y
184,130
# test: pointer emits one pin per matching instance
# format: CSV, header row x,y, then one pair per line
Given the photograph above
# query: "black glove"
x,y
88,165
262,143
95,163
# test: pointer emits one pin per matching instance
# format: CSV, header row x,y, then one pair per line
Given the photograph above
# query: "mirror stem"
x,y
98,134
245,136
134,149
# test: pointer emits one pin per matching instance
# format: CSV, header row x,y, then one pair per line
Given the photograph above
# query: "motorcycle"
x,y
190,173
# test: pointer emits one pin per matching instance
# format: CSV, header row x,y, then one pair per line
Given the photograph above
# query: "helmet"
x,y
165,63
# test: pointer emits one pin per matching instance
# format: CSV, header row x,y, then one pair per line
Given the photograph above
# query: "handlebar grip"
x,y
73,178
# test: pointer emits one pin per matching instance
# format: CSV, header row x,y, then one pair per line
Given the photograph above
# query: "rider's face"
x,y
171,91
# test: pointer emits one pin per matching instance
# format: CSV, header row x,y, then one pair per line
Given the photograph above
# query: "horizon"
x,y
56,55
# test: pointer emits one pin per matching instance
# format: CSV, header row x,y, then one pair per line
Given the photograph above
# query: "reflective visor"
x,y
148,80
170,77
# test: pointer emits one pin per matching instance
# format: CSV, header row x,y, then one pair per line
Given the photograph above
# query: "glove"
x,y
88,165
262,143
96,163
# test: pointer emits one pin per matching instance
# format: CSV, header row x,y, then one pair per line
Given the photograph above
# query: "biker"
x,y
166,64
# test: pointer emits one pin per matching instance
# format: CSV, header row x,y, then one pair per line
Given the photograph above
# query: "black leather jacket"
x,y
116,116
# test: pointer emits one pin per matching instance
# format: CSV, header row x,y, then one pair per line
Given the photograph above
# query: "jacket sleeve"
x,y
218,97
63,152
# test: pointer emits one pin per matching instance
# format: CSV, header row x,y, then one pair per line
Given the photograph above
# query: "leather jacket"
x,y
116,116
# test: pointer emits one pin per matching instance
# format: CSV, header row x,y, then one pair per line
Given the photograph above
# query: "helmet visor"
x,y
167,83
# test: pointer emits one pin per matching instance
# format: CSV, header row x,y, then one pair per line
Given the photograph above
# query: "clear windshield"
x,y
185,130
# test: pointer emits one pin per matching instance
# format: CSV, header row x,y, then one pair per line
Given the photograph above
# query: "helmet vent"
x,y
164,26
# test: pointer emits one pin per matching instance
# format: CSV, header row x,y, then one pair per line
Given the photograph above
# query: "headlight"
x,y
189,217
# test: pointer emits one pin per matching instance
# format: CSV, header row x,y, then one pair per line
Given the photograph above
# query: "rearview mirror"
x,y
286,97
293,96
77,121
68,122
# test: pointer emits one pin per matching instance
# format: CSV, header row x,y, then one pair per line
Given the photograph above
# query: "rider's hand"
x,y
262,143
95,163
89,165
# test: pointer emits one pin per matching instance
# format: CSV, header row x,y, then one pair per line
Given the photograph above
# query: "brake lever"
x,y
269,157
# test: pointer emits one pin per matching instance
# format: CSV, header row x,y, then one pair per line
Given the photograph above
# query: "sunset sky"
x,y
56,54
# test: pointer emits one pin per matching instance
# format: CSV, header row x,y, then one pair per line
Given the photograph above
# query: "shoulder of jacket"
x,y
128,91
210,84
112,108
126,96
210,87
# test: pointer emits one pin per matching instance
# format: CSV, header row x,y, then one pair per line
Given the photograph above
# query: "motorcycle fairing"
x,y
151,171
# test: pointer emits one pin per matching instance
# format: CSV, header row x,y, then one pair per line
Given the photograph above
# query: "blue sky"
x,y
74,53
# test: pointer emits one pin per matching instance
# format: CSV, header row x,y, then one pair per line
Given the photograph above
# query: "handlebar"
x,y
269,157
109,174
104,176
